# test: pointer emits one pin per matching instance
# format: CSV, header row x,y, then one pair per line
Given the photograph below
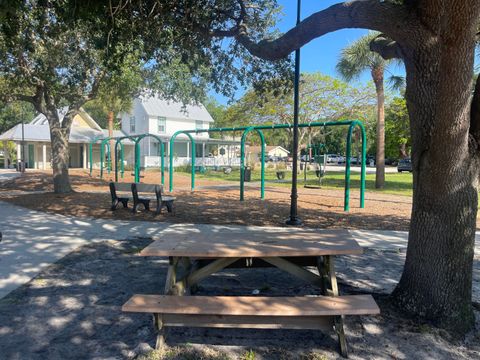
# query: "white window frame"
x,y
132,124
159,125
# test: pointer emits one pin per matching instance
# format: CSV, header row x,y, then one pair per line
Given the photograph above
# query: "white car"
x,y
332,158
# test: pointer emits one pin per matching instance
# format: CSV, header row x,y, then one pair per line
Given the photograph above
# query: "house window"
x,y
132,124
198,124
161,124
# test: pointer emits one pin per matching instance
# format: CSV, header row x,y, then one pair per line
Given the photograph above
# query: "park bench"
x,y
125,190
317,313
140,191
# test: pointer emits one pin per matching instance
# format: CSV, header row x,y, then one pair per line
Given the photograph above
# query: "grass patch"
x,y
395,183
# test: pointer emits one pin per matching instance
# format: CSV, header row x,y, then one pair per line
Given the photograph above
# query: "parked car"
x,y
354,160
389,161
332,158
303,158
405,165
341,159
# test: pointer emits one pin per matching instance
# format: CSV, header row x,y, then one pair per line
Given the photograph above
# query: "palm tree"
x,y
355,59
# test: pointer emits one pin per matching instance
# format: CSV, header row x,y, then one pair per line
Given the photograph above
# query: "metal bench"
x,y
126,194
139,197
321,312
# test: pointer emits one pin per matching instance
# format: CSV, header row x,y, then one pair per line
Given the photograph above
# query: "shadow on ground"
x,y
72,311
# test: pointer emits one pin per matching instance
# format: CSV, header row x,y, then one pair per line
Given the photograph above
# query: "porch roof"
x,y
41,133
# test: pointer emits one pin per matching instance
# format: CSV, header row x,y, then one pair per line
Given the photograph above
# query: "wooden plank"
x,y
253,305
254,243
123,187
201,273
295,270
148,187
251,322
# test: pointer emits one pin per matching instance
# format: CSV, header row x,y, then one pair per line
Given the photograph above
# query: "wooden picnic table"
x,y
195,256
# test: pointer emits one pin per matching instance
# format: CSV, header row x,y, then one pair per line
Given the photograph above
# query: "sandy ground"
x,y
214,202
72,311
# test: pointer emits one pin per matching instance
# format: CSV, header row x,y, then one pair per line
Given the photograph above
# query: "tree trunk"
x,y
60,158
377,76
113,155
437,279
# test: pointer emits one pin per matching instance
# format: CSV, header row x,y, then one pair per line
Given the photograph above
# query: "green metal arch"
x,y
351,123
105,141
137,156
90,150
122,167
352,126
242,162
170,169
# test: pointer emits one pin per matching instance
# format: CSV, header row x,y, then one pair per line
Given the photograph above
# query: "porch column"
x,y
19,152
203,153
85,165
5,155
44,157
229,155
188,150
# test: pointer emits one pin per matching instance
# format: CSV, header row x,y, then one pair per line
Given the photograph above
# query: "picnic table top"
x,y
254,243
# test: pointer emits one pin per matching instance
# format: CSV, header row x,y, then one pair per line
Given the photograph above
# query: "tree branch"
x,y
386,17
387,48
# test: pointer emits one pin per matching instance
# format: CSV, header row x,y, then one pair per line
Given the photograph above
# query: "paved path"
x,y
32,240
7,174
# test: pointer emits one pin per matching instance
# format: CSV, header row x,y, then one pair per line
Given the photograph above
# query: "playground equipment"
x,y
137,156
352,124
315,152
105,142
90,153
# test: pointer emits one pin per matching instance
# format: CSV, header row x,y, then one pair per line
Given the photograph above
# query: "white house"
x,y
33,141
270,151
162,118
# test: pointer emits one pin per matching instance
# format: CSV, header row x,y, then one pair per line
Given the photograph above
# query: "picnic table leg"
x,y
339,320
171,274
160,343
190,266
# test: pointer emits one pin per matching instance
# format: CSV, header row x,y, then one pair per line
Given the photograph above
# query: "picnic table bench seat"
x,y
140,197
319,313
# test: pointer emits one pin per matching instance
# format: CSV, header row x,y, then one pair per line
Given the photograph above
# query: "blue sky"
x,y
322,53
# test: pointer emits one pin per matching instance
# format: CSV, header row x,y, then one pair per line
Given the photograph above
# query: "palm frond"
x,y
357,57
396,82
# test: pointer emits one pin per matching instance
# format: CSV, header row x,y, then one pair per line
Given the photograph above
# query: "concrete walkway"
x,y
7,174
32,240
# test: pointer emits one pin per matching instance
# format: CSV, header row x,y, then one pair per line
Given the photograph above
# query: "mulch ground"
x,y
213,202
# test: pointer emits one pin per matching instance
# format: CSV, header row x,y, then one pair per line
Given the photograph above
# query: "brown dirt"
x,y
213,202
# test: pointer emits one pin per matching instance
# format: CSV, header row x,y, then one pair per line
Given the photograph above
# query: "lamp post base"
x,y
294,221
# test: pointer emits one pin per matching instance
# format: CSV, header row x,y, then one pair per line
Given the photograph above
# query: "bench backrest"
x,y
122,186
148,187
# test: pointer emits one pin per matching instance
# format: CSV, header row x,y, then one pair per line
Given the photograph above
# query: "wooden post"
x,y
160,343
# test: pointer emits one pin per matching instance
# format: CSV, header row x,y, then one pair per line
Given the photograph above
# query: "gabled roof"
x,y
41,133
156,106
40,119
257,148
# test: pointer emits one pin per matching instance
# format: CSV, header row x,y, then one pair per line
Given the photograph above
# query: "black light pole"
x,y
294,219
